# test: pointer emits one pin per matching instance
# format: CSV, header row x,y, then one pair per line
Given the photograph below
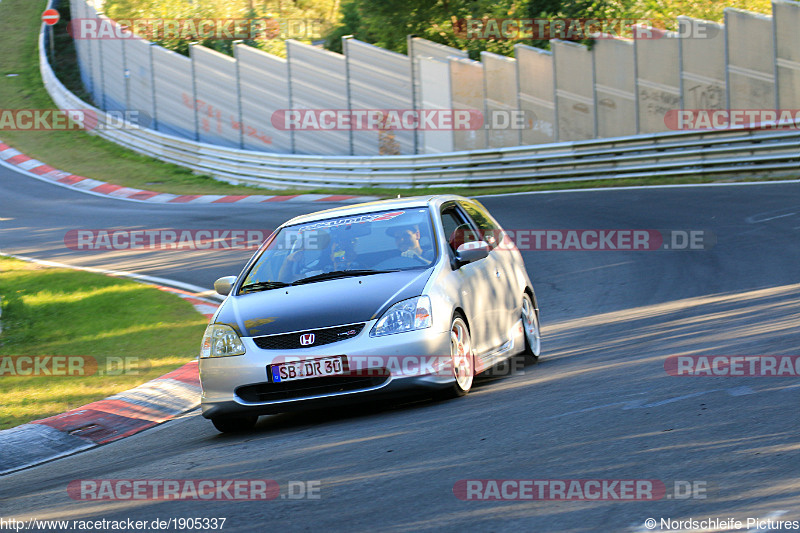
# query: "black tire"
x,y
531,328
237,424
463,363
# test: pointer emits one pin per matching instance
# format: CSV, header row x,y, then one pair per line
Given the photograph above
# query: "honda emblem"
x,y
306,339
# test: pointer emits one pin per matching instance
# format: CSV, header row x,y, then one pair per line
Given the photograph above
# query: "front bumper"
x,y
383,366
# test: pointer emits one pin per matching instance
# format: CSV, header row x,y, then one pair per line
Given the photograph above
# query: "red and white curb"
x,y
113,418
15,159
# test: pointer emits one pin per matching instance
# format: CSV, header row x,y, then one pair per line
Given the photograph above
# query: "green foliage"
x,y
386,23
304,20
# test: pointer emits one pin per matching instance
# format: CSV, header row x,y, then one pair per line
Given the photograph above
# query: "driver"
x,y
406,238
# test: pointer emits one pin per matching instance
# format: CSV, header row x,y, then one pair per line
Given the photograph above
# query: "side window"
x,y
490,231
457,228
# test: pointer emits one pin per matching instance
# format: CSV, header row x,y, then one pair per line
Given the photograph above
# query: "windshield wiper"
x,y
340,274
262,286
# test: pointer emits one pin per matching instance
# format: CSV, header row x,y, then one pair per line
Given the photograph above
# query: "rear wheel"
x,y
462,361
530,325
234,424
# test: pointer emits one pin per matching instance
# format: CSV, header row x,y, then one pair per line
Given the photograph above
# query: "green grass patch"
x,y
126,333
88,155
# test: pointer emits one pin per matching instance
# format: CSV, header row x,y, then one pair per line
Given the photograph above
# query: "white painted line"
x,y
756,220
30,164
87,184
124,192
306,198
744,390
255,198
162,198
8,153
677,398
206,293
206,198
640,187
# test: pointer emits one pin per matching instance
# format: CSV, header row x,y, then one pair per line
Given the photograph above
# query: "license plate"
x,y
312,368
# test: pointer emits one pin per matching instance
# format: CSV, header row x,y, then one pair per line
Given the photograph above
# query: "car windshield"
x,y
350,245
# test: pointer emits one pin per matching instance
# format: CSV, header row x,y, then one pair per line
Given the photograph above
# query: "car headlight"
x,y
408,315
221,340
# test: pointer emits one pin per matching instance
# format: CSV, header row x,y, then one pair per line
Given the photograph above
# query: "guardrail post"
x,y
153,87
345,40
236,45
102,102
194,94
289,85
412,63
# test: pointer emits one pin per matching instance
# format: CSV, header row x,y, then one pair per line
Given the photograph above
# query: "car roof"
x,y
371,207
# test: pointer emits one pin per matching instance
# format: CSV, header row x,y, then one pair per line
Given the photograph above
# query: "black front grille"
x,y
291,341
270,392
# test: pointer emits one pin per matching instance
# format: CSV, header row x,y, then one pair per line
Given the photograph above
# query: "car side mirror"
x,y
469,252
224,285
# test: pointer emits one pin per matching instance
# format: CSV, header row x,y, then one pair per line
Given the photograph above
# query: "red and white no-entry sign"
x,y
50,17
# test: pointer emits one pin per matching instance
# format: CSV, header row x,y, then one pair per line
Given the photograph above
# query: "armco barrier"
x,y
662,154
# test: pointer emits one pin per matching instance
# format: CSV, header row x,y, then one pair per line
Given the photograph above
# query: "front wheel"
x,y
234,424
530,325
462,361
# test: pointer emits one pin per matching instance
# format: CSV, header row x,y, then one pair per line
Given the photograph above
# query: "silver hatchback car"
x,y
371,299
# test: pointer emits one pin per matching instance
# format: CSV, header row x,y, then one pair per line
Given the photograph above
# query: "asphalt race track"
x,y
599,404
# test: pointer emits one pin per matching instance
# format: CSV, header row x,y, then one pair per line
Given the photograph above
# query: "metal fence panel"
x,y
657,79
536,93
751,60
574,75
317,81
79,11
264,88
378,79
467,89
140,81
419,48
434,78
786,18
217,97
96,67
500,80
112,56
702,52
615,87
174,93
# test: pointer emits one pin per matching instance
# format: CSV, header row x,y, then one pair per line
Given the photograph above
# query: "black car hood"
x,y
321,304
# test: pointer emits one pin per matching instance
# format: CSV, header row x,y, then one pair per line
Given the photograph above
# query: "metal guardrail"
x,y
663,154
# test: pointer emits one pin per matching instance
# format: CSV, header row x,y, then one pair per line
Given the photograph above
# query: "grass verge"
x,y
120,333
90,156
